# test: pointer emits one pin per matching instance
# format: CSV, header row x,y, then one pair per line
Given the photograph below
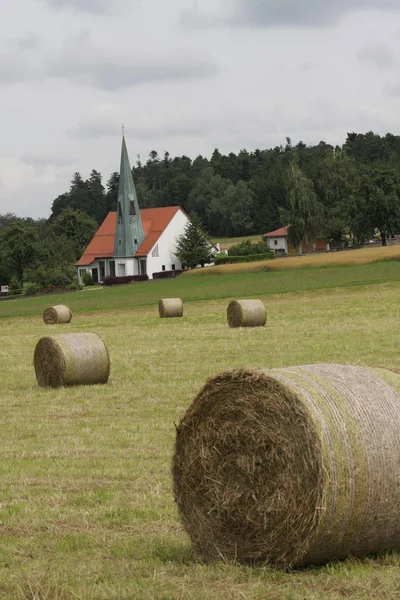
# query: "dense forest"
x,y
321,190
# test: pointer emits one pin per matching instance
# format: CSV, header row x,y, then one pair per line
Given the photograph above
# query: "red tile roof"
x,y
282,232
154,220
102,245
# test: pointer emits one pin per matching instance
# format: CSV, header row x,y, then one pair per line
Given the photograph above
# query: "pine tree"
x,y
193,248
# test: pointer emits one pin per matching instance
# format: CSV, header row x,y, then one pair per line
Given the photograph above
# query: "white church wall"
x,y
162,253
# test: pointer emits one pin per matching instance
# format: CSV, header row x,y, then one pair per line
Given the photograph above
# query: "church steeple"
x,y
129,233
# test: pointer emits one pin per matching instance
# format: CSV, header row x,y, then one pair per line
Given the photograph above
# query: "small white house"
x,y
278,242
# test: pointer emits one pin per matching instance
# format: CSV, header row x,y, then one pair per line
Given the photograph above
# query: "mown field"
x,y
344,258
86,509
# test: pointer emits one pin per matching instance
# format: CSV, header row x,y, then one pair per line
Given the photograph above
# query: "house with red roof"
x,y
278,242
133,241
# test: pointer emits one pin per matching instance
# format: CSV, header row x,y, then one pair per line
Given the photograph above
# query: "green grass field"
x,y
86,509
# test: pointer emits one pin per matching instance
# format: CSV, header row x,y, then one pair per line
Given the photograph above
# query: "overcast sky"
x,y
185,76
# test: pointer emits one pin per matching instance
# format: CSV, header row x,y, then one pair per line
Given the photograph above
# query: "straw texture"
x,y
170,307
57,314
246,313
71,359
292,466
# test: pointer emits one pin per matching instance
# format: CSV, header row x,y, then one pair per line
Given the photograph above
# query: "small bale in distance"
x,y
170,307
246,313
71,359
291,467
53,315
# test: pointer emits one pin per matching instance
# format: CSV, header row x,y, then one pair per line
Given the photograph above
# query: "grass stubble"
x,y
86,507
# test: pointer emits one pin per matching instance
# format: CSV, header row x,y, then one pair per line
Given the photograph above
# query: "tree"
x,y
237,210
112,192
379,207
208,189
75,225
19,247
305,212
97,205
193,247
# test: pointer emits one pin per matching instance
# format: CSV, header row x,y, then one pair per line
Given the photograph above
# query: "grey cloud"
x,y
379,55
13,69
100,69
143,129
43,161
269,13
393,89
29,41
95,7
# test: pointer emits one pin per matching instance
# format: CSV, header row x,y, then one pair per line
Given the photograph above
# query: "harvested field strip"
x,y
345,258
243,285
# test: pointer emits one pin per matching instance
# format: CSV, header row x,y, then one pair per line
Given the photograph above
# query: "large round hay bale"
x,y
57,314
246,313
71,359
170,307
293,466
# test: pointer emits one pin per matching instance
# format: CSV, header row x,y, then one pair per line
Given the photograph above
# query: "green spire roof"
x,y
129,233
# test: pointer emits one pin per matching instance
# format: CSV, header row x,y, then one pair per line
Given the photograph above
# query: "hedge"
x,y
226,260
124,279
167,274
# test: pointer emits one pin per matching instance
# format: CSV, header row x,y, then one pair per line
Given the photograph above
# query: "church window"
x,y
132,210
275,242
173,267
119,242
154,252
163,267
135,242
119,213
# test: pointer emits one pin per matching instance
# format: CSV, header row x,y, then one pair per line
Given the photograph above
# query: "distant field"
x,y
326,259
86,506
226,243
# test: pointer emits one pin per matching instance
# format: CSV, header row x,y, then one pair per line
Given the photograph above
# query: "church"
x,y
132,241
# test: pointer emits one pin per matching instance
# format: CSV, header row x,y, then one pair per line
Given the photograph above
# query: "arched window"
x,y
120,219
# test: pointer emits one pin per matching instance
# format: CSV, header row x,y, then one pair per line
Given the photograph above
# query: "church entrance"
x,y
143,266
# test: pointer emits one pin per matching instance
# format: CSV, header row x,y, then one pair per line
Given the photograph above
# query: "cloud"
x,y
270,13
14,69
393,89
44,161
104,120
103,68
379,55
80,61
29,41
95,7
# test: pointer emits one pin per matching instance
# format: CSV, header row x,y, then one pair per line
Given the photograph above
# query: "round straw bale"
x,y
170,307
71,359
246,313
57,314
291,467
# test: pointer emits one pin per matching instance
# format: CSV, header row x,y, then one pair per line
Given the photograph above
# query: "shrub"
x,y
60,279
225,260
167,274
87,278
248,248
15,285
31,289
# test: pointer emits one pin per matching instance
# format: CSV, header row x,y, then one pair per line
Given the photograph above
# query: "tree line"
x,y
334,192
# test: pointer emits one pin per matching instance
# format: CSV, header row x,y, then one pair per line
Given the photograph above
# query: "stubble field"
x,y
86,506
